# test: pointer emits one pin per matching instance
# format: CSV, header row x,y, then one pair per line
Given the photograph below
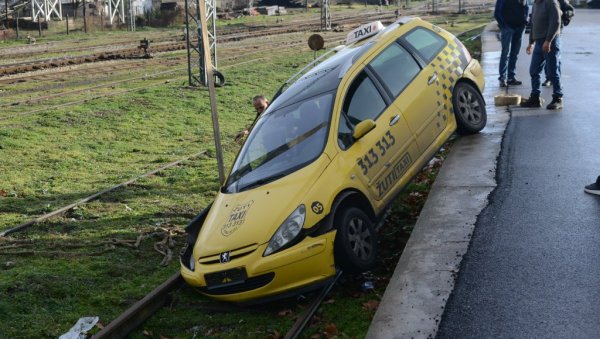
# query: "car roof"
x,y
327,75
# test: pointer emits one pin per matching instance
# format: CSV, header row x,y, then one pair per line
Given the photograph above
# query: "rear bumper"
x,y
306,264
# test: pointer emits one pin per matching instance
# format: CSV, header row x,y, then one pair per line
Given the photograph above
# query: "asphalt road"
x,y
532,269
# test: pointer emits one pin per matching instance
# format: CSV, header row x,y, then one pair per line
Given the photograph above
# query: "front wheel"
x,y
469,109
355,242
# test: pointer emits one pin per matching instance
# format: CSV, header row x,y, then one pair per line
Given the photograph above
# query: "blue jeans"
x,y
539,59
511,44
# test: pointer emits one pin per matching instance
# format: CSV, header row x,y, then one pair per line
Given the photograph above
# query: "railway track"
x,y
142,310
166,45
226,52
145,77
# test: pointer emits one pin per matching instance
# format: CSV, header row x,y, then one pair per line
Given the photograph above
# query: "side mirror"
x,y
363,128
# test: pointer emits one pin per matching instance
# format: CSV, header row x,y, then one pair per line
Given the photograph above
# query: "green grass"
x,y
65,268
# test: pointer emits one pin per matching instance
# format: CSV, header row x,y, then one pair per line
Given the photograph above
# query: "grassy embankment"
x,y
79,264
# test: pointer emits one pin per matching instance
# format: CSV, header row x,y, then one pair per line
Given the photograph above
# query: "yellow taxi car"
x,y
325,160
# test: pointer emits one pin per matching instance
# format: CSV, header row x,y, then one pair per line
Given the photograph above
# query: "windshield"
x,y
283,140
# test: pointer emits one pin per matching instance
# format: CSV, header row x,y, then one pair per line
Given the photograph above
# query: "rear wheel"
x,y
469,109
355,241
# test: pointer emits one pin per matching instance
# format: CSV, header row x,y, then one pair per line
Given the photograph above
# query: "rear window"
x,y
427,43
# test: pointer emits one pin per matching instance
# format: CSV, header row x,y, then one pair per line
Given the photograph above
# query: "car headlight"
x,y
287,231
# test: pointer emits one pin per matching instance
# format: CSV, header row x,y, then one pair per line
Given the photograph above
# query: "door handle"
x,y
432,79
394,120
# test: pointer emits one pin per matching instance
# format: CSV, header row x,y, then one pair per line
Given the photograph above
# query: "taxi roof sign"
x,y
364,31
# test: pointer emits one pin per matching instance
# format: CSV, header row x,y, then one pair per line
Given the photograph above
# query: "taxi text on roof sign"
x,y
364,31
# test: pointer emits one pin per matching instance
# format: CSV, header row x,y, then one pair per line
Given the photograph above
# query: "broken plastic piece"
x,y
80,328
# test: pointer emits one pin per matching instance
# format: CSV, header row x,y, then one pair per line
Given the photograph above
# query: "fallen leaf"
x,y
3,193
163,337
330,301
274,335
331,329
371,305
316,336
148,333
285,312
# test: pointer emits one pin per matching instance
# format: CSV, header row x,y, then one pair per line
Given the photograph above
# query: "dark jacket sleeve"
x,y
498,13
553,10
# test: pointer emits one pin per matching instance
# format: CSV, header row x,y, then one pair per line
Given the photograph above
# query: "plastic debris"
x,y
80,328
366,286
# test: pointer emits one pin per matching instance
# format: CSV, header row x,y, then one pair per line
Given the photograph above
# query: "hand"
x,y
240,136
529,49
546,46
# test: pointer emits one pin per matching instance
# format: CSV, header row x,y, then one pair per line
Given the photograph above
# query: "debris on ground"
x,y
27,247
80,328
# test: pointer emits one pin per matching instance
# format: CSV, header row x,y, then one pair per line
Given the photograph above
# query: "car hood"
x,y
250,218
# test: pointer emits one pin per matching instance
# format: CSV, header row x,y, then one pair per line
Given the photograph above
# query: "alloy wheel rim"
x,y
359,237
469,107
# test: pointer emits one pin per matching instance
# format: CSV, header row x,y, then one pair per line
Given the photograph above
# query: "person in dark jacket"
x,y
511,16
544,43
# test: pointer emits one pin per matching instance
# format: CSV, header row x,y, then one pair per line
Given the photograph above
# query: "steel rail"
x,y
300,324
93,196
133,317
145,308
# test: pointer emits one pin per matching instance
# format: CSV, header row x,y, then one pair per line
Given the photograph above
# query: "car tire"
x,y
219,78
355,245
469,109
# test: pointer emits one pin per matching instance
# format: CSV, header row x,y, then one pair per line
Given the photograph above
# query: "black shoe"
x,y
547,83
593,188
514,82
555,104
533,101
503,83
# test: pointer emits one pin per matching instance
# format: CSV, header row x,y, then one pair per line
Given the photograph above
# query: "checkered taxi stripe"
x,y
449,66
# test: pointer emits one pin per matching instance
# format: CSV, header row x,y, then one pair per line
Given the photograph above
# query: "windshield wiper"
x,y
264,181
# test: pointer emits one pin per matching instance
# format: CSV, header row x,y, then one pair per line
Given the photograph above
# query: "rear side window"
x,y
395,67
426,42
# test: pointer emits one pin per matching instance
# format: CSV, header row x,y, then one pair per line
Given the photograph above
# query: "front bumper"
x,y
253,276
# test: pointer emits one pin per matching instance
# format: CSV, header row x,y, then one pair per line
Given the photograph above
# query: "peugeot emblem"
x,y
224,257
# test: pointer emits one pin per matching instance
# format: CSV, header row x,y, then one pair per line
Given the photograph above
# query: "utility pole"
x,y
131,16
208,69
325,16
84,18
195,12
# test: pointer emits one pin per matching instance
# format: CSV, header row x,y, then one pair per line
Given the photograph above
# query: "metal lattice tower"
x,y
193,36
116,8
131,16
45,9
325,16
